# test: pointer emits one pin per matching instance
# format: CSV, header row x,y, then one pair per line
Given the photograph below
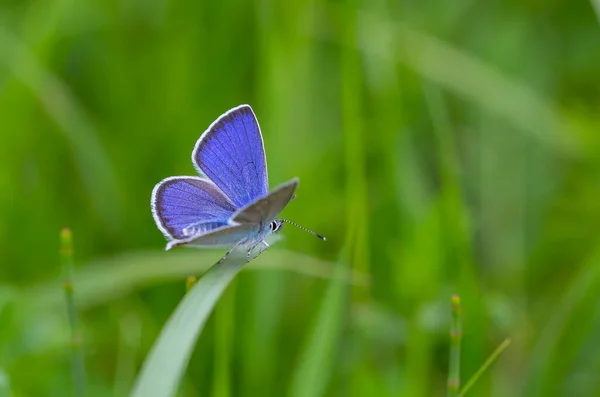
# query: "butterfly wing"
x,y
183,206
246,224
231,153
224,236
266,209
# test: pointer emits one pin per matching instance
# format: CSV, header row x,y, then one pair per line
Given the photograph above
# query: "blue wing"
x,y
183,206
231,153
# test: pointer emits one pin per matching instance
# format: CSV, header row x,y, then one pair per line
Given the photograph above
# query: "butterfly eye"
x,y
273,226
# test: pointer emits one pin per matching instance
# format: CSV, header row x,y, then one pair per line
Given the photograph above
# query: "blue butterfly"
x,y
231,207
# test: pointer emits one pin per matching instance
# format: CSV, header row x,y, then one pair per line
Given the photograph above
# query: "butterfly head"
x,y
275,225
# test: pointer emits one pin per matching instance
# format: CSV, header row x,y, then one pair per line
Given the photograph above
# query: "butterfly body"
x,y
232,206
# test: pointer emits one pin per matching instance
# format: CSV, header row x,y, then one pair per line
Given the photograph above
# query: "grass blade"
x,y
164,367
130,330
493,357
312,373
93,164
4,384
224,336
546,348
596,6
109,279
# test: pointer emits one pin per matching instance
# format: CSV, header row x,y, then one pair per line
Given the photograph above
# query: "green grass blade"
x,y
165,365
4,384
596,6
130,331
93,164
493,357
548,341
224,336
109,279
311,375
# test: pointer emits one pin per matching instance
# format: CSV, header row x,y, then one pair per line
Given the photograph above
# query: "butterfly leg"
x,y
227,253
260,251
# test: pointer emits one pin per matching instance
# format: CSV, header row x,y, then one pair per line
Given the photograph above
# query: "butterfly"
x,y
229,205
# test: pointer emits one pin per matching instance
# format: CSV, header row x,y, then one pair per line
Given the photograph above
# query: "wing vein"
x,y
226,165
251,148
210,197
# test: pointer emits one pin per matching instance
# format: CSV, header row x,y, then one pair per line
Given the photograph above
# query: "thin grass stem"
x,y
455,340
78,363
493,357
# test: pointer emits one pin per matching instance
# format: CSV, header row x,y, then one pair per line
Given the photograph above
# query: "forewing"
x,y
266,209
226,236
231,153
183,206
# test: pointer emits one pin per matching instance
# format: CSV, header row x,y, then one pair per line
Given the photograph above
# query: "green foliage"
x,y
444,147
167,361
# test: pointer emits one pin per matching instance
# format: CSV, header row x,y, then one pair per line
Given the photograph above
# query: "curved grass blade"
x,y
546,348
93,164
164,367
104,280
314,369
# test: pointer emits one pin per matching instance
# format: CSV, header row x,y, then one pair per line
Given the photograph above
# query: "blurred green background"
x,y
442,146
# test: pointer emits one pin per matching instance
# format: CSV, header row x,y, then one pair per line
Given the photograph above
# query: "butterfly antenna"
x,y
303,228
